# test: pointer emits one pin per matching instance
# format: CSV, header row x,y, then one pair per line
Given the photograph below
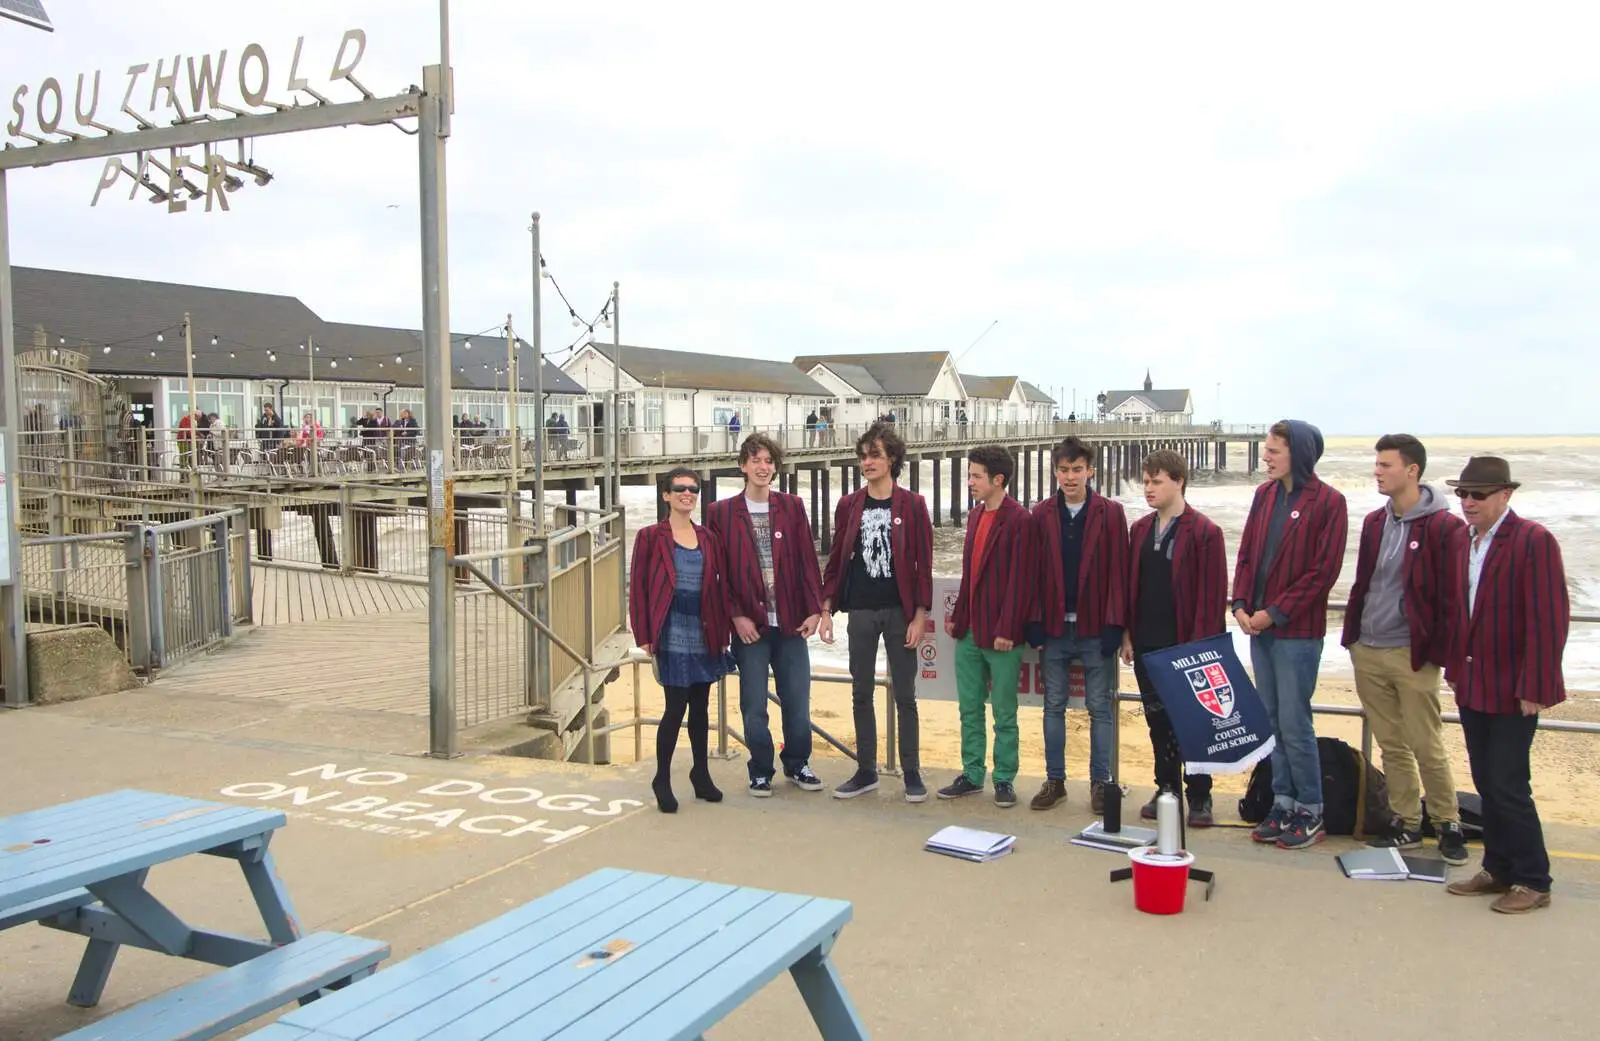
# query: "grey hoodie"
x,y
1383,614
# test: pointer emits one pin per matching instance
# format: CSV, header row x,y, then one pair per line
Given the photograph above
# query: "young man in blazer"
x,y
1506,669
775,603
1081,543
989,621
1177,592
880,573
1399,628
1290,555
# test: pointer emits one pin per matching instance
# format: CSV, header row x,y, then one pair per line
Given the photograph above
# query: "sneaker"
x,y
860,784
804,778
1399,837
1147,812
1303,831
1200,812
916,791
1273,826
761,789
1005,796
1452,844
959,787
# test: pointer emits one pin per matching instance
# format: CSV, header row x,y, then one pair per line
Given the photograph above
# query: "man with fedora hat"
x,y
1507,668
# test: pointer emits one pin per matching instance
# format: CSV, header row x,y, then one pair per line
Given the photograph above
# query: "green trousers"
x,y
987,676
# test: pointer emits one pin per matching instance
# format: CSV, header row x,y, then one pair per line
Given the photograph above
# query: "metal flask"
x,y
1167,824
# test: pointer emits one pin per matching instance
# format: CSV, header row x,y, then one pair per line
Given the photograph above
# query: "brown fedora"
x,y
1485,471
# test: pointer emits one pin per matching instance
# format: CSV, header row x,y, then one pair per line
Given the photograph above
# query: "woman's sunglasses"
x,y
682,489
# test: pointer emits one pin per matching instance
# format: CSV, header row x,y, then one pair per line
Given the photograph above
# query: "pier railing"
x,y
49,459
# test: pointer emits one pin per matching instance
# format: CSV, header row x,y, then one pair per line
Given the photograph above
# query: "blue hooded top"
x,y
1305,449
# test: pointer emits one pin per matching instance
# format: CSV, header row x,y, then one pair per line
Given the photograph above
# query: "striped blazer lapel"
x,y
664,553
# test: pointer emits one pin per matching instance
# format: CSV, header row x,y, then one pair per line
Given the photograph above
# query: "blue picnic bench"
x,y
81,867
622,955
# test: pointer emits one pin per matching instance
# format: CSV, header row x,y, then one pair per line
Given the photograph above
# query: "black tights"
x,y
696,700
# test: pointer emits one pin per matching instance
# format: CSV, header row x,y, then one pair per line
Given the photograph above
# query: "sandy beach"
x,y
1566,767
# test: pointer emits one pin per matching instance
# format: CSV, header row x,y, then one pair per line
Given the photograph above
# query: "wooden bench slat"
x,y
463,960
545,1006
699,988
136,824
48,907
81,817
542,972
223,1000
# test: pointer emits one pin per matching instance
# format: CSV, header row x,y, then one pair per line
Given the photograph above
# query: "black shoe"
x,y
1005,796
1200,812
1399,837
916,791
703,786
666,802
959,787
804,778
862,783
1452,844
761,789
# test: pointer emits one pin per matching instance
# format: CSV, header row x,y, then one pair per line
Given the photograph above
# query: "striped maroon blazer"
x,y
1310,557
794,561
1199,574
653,577
1432,589
1000,600
1514,640
910,547
1102,569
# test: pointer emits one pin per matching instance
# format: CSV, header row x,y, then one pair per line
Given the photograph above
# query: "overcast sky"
x,y
1382,217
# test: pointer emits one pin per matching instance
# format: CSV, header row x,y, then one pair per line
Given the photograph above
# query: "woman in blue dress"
x,y
678,611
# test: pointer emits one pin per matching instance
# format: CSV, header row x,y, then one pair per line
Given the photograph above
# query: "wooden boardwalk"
x,y
290,596
377,663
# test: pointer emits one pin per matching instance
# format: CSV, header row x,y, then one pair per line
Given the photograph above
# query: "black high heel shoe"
x,y
666,802
700,777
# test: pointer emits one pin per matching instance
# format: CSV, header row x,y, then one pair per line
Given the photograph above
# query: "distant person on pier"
x,y
811,428
1177,593
880,573
733,429
1290,555
1081,544
1507,669
774,591
992,611
677,609
1400,628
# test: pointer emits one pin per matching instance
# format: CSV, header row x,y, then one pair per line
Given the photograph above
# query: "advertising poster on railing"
x,y
936,658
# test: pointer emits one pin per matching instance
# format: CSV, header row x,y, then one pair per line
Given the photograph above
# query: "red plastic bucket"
x,y
1159,882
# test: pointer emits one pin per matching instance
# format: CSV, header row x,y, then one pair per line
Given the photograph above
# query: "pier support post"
x,y
708,493
955,490
826,512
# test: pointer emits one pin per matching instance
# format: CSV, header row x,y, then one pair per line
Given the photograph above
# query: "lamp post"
x,y
540,435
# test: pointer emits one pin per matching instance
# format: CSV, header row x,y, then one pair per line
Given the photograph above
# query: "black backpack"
x,y
1355,796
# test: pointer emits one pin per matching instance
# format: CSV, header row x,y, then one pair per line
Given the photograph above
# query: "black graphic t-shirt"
x,y
872,565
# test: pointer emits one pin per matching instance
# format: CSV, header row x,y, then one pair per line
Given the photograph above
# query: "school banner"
x,y
936,658
1221,725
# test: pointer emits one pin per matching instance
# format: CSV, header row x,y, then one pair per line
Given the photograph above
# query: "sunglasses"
x,y
681,489
1475,494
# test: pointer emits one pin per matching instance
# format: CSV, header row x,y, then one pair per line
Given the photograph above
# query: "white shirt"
x,y
1475,558
761,524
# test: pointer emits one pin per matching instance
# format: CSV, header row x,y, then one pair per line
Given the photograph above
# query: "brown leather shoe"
x,y
1050,793
1520,900
1481,884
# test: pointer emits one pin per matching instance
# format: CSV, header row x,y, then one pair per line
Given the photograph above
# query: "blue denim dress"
x,y
682,659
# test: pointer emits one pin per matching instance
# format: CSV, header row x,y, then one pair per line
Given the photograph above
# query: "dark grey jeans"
x,y
865,629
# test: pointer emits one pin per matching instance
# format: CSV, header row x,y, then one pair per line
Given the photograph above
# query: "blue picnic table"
x,y
622,955
81,867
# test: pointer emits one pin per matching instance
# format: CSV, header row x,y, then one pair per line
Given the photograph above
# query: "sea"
x,y
1560,478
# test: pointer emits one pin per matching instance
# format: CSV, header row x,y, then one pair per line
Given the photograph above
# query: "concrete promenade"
x,y
1037,945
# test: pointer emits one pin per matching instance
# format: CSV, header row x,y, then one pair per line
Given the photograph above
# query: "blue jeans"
x,y
1058,654
790,661
1286,677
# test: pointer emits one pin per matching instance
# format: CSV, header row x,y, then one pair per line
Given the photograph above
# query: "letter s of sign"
x,y
15,126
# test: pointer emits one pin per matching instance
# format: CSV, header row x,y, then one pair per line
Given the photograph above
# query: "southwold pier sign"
x,y
182,92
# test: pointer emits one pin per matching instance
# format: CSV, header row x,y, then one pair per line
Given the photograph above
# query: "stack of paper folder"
x,y
970,844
